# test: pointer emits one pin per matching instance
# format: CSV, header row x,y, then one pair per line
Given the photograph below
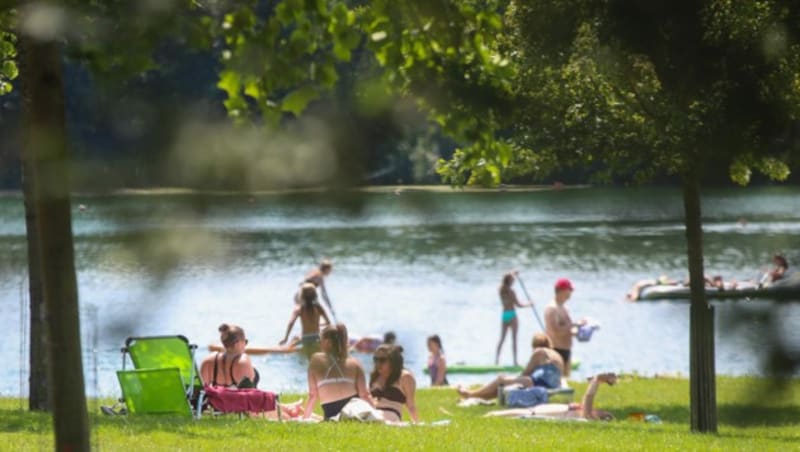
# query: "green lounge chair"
x,y
161,364
154,391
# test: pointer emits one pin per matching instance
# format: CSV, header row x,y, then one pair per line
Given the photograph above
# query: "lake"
x,y
413,262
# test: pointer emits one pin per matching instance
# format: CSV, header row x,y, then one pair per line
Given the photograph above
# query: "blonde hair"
x,y
542,340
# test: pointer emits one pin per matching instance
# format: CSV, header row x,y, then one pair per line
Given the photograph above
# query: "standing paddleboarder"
x,y
509,300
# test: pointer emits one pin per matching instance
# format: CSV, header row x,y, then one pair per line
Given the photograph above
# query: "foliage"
x,y
639,89
8,51
750,421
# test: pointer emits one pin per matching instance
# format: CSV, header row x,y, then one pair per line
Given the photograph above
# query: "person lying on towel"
x,y
573,411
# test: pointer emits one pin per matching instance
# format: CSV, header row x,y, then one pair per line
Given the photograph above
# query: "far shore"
x,y
396,189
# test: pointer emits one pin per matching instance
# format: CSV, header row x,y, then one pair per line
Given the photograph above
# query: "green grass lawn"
x,y
754,415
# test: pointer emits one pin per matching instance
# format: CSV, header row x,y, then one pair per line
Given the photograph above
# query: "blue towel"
x,y
527,397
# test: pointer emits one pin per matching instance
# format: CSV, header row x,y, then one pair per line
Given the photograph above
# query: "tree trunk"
x,y
45,150
702,374
38,399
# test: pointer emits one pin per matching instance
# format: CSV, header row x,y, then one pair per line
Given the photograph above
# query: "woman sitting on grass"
x,y
391,385
544,368
334,377
232,367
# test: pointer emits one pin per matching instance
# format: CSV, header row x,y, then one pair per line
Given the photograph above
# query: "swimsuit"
x,y
546,375
310,340
392,394
508,316
333,408
565,354
433,370
243,383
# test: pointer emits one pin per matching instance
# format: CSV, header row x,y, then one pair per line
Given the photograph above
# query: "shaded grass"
x,y
749,419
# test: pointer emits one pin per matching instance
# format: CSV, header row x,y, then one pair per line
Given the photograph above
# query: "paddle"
x,y
525,291
328,302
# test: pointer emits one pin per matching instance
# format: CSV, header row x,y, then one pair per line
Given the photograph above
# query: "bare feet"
x,y
462,391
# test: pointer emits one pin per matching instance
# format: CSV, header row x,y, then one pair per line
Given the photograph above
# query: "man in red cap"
x,y
557,323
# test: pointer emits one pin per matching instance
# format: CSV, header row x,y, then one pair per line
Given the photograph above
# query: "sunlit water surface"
x,y
415,263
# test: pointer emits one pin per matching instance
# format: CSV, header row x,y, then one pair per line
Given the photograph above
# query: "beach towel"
x,y
474,401
229,400
527,397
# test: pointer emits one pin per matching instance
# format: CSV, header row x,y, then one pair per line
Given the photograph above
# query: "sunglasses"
x,y
380,359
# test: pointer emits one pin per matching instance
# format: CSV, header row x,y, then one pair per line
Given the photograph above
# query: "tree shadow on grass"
x,y
732,414
23,420
742,415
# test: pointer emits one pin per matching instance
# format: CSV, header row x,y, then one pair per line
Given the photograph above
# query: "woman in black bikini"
x,y
334,377
232,367
391,385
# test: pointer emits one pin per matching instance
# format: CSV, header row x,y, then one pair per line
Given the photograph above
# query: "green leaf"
x,y
341,49
326,74
9,70
230,82
297,101
740,172
253,88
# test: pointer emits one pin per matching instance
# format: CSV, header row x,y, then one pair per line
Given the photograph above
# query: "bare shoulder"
x,y
407,375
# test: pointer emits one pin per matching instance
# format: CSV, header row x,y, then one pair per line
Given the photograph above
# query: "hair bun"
x,y
224,328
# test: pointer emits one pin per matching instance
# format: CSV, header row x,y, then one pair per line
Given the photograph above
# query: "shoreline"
x,y
395,189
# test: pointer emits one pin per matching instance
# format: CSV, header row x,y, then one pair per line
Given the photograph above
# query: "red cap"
x,y
564,284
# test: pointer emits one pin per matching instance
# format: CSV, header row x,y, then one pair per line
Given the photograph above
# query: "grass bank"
x,y
754,414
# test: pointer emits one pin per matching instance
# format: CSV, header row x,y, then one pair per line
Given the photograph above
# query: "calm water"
x,y
415,263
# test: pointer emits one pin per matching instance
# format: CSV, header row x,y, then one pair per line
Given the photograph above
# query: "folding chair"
x,y
161,364
154,391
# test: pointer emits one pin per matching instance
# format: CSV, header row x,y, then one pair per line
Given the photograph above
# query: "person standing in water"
x,y
317,277
309,313
558,324
437,366
509,300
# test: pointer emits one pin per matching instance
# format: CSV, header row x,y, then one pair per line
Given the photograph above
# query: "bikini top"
x,y
392,393
244,383
327,380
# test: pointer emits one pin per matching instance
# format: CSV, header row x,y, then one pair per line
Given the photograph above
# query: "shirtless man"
x,y
543,358
508,298
558,325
